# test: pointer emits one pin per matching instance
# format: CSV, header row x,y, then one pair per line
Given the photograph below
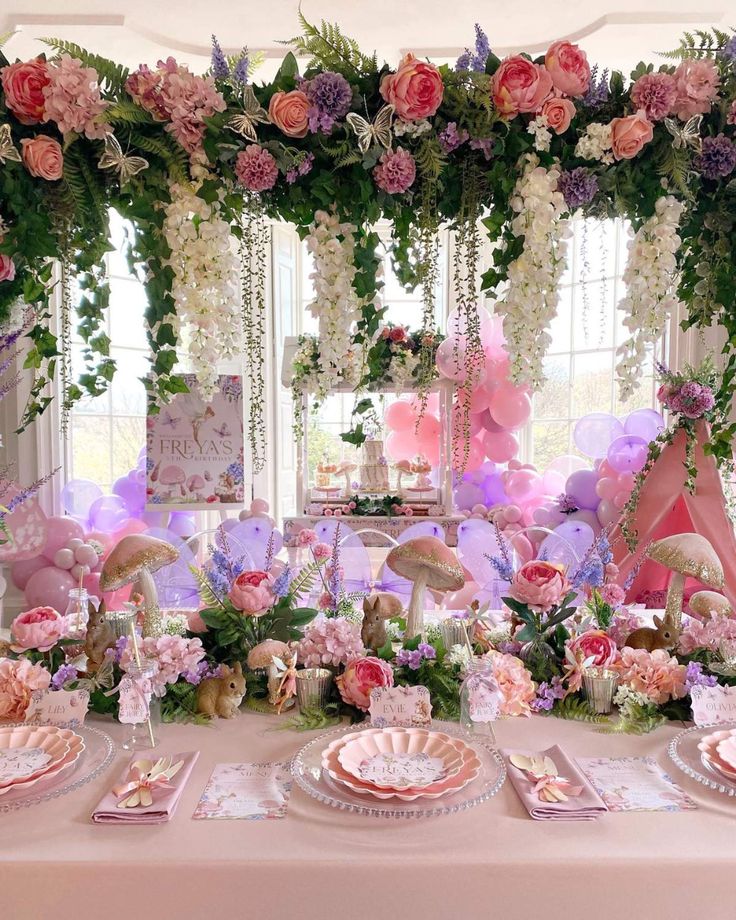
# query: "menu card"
x,y
254,791
634,784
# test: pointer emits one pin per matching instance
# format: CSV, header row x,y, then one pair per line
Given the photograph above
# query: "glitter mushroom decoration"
x,y
686,555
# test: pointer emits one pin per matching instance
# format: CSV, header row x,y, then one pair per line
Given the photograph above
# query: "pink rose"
x,y
7,268
415,90
252,592
598,649
23,85
40,629
629,134
288,111
42,157
540,585
559,113
361,675
398,334
568,66
697,86
520,86
18,679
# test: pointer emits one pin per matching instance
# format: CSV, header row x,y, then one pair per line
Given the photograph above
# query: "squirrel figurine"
x,y
664,635
377,608
221,696
100,636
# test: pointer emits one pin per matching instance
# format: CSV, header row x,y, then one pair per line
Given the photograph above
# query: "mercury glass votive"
x,y
121,621
600,685
454,632
313,688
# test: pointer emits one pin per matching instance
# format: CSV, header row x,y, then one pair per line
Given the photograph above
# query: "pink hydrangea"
x,y
321,551
515,683
256,168
18,679
330,642
658,675
697,86
612,594
655,93
624,622
175,657
396,171
707,634
72,99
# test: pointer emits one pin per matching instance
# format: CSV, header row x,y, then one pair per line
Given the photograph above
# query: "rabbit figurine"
x,y
665,635
221,696
100,636
377,608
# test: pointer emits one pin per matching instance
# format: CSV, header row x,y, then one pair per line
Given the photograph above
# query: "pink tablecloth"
x,y
491,862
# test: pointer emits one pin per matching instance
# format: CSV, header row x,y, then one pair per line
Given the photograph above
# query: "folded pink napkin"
x,y
165,795
556,790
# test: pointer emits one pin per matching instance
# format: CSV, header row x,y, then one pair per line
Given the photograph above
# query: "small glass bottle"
x,y
77,613
480,699
144,731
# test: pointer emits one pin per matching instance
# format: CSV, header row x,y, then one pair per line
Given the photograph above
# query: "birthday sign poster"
x,y
195,449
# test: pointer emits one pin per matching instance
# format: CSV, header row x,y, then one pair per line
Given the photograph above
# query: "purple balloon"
x,y
581,486
108,513
585,516
467,495
494,490
644,423
628,454
593,433
568,544
132,494
78,495
489,423
182,524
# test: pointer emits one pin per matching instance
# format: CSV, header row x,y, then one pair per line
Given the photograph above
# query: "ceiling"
x,y
614,34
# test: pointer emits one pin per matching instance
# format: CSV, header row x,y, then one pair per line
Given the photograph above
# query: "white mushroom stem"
x,y
152,613
401,473
415,614
675,593
346,474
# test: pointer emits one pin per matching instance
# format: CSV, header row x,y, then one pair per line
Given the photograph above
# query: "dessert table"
x,y
490,862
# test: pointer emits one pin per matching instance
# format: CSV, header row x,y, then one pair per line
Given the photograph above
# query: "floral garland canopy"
x,y
333,143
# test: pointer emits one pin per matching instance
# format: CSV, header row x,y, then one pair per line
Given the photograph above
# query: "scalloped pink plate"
x,y
467,773
76,748
32,745
400,758
710,745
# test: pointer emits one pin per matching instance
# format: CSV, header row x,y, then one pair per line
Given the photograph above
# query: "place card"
x,y
634,784
252,791
400,706
713,705
66,708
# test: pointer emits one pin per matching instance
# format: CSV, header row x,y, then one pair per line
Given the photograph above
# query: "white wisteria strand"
x,y
205,287
532,297
650,277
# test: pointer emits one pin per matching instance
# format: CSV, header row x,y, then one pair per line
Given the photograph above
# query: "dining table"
x,y
490,862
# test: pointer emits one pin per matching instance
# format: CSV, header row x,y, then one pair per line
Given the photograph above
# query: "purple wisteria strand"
x,y
282,583
502,562
636,567
242,68
223,569
590,571
220,68
476,58
268,562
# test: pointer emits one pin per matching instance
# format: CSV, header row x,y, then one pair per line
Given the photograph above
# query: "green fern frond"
x,y
673,163
6,36
127,112
206,594
111,76
578,710
429,158
255,60
702,43
327,47
173,155
304,581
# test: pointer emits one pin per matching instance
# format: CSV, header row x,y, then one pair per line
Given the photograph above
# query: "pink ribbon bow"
x,y
548,784
144,778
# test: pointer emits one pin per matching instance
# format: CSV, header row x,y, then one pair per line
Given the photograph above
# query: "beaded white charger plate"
x,y
684,751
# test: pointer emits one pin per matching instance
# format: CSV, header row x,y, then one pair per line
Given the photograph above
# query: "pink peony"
x,y
629,134
360,676
39,628
657,674
307,537
321,551
174,656
655,93
559,113
73,100
288,111
256,168
520,86
596,647
568,66
7,268
23,85
697,86
613,594
540,585
18,679
330,642
43,158
252,592
515,683
395,171
706,634
415,90
397,334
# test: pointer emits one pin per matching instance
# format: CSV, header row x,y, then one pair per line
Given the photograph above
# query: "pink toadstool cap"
x,y
430,555
133,553
690,555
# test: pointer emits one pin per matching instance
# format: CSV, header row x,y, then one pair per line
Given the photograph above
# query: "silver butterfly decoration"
x,y
8,150
114,158
253,114
377,133
686,136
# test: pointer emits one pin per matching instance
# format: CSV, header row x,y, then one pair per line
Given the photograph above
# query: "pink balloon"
x,y
626,481
523,546
607,513
476,423
567,464
433,404
500,446
92,583
104,539
620,499
553,482
60,531
510,406
479,400
450,360
461,599
522,485
86,555
131,526
400,415
64,558
22,570
49,587
401,445
259,506
606,488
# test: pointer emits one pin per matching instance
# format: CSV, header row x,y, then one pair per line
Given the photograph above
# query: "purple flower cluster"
x,y
301,169
567,504
202,671
329,96
121,645
413,659
65,673
220,69
484,144
728,52
240,74
223,569
475,59
692,399
597,94
694,677
717,159
282,583
547,693
450,138
578,187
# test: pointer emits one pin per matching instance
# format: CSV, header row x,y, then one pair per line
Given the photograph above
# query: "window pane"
x,y
592,386
128,436
551,439
91,449
594,310
552,401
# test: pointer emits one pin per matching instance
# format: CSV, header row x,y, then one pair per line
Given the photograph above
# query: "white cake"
x,y
373,468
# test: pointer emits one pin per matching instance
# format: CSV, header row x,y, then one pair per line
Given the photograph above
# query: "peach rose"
x,y
520,86
18,679
252,593
42,157
629,134
540,585
288,111
696,82
361,675
415,90
568,66
39,628
23,85
559,113
7,268
597,649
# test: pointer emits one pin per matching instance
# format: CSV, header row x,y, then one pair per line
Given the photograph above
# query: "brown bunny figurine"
x,y
665,635
377,608
100,637
221,696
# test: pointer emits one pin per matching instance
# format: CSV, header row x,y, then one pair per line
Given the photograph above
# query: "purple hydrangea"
x,y
597,93
220,69
329,96
567,504
694,677
414,658
427,650
304,166
65,673
717,158
728,52
484,144
475,59
120,646
547,693
578,186
692,399
450,138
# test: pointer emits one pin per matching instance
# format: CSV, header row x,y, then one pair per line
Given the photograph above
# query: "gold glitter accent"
x,y
153,558
709,573
407,553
